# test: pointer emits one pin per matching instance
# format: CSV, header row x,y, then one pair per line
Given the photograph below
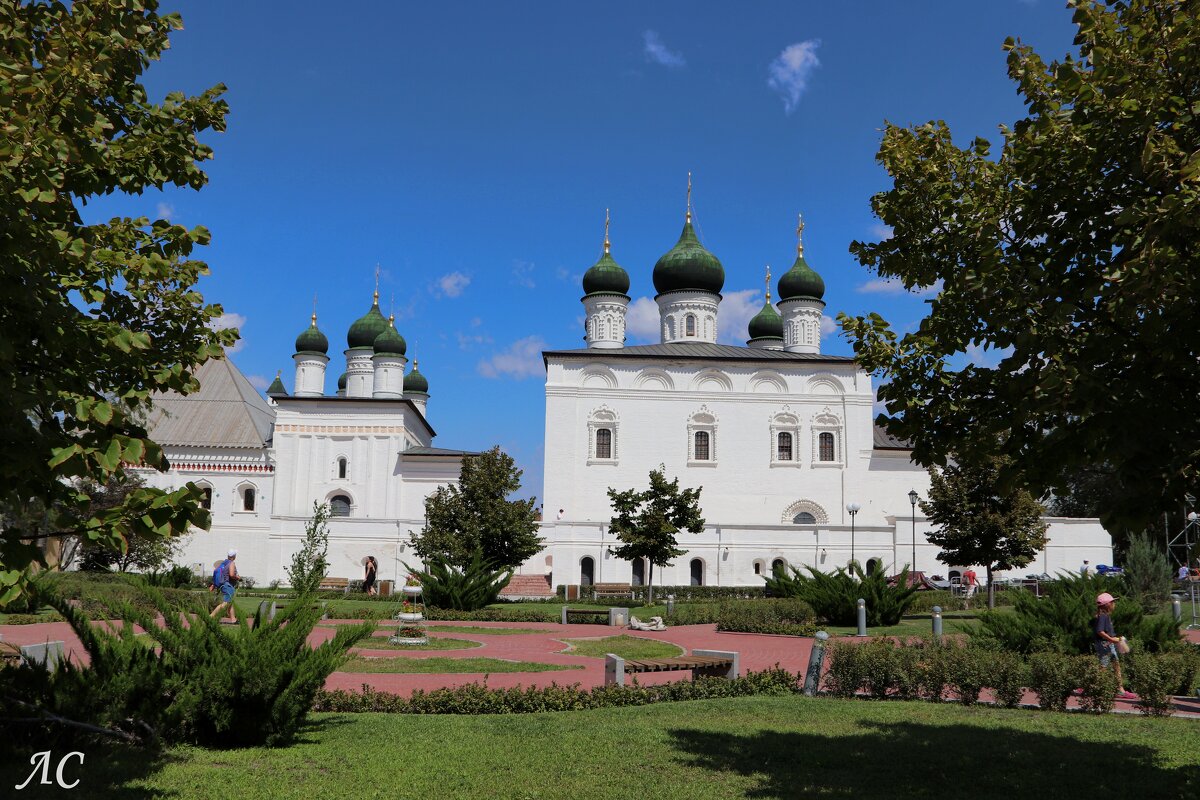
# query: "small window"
x,y
784,451
206,497
825,441
697,572
342,468
758,568
587,568
689,325
702,451
603,443
248,499
339,506
804,518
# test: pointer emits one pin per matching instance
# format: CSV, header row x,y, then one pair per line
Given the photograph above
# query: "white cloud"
x,y
522,273
641,320
828,325
788,74
164,210
733,317
987,357
567,275
523,359
230,320
881,286
881,232
258,382
451,285
468,340
658,53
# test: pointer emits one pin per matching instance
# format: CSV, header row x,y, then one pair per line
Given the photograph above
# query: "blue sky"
x,y
471,149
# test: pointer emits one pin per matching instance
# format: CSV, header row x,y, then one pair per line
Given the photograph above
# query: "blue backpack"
x,y
221,574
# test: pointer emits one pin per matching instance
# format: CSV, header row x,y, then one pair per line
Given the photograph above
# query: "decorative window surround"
x,y
703,421
789,423
804,506
604,418
827,422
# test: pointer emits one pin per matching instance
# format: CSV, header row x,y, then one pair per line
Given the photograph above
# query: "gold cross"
x,y
607,244
799,234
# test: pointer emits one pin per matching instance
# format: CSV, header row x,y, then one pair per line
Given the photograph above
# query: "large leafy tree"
x,y
645,522
1072,257
94,317
978,521
476,515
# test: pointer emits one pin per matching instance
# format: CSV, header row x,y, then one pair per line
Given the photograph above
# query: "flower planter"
x,y
415,616
408,640
412,591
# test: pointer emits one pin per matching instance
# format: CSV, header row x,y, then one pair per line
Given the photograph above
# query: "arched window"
x,y
784,447
689,325
206,495
804,518
248,498
702,451
339,506
872,563
342,468
587,568
697,572
639,572
825,442
758,568
777,566
603,443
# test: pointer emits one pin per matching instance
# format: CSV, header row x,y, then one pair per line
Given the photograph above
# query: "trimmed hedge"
x,y
479,699
789,616
682,594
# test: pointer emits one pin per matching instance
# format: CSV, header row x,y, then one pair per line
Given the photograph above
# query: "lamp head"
x,y
912,497
853,508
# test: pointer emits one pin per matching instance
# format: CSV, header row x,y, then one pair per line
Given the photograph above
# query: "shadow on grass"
x,y
918,760
107,771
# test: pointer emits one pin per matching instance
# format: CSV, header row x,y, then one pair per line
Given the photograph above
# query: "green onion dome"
x,y
312,340
801,281
390,342
276,387
606,275
766,324
367,328
688,265
342,382
415,383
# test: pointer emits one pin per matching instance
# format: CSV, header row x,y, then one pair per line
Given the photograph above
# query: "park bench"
x,y
269,608
335,585
715,663
611,590
615,616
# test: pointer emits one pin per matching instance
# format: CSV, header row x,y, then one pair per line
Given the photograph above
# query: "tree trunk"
x,y
650,586
991,589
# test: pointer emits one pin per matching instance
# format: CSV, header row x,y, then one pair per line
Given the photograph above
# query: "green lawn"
x,y
380,642
623,646
762,747
437,665
476,630
921,626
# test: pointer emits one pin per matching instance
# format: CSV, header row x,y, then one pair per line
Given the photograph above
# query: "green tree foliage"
x,y
1148,573
476,515
475,586
1060,620
646,522
1069,259
309,563
834,596
94,318
142,552
202,684
981,522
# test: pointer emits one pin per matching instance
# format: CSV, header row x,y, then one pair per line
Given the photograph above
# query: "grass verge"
x,y
623,646
435,643
435,665
480,631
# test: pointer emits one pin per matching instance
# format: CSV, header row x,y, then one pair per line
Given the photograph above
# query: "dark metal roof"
x,y
435,451
698,350
885,441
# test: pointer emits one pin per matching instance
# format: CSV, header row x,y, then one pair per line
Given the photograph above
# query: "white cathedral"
x,y
780,437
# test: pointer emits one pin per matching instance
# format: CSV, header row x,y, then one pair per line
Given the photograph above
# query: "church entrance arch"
x,y
697,572
587,571
639,572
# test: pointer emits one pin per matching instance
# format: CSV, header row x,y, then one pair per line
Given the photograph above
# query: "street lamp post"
x,y
853,508
912,499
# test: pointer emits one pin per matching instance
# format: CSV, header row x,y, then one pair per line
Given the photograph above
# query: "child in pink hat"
x,y
1105,640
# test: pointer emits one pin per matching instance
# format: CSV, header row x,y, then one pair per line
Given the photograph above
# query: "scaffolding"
x,y
1180,548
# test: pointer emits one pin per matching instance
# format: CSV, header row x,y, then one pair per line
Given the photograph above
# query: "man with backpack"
x,y
225,578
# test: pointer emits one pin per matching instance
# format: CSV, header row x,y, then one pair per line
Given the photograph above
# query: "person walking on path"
x,y
370,568
225,580
1085,569
1106,641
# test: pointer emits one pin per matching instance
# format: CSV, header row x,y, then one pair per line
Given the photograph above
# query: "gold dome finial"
x,y
416,365
799,234
392,320
278,373
607,244
376,298
314,314
768,283
689,198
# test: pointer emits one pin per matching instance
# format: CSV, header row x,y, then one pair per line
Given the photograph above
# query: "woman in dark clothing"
x,y
369,576
1105,641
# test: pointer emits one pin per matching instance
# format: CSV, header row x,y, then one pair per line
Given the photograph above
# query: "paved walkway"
x,y
757,652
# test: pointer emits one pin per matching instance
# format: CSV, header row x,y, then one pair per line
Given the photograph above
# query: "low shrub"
x,y
1009,675
968,672
879,665
847,669
475,586
1184,664
1152,679
1097,684
175,577
789,616
693,613
1052,678
32,619
640,594
101,594
514,614
834,596
933,671
479,699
